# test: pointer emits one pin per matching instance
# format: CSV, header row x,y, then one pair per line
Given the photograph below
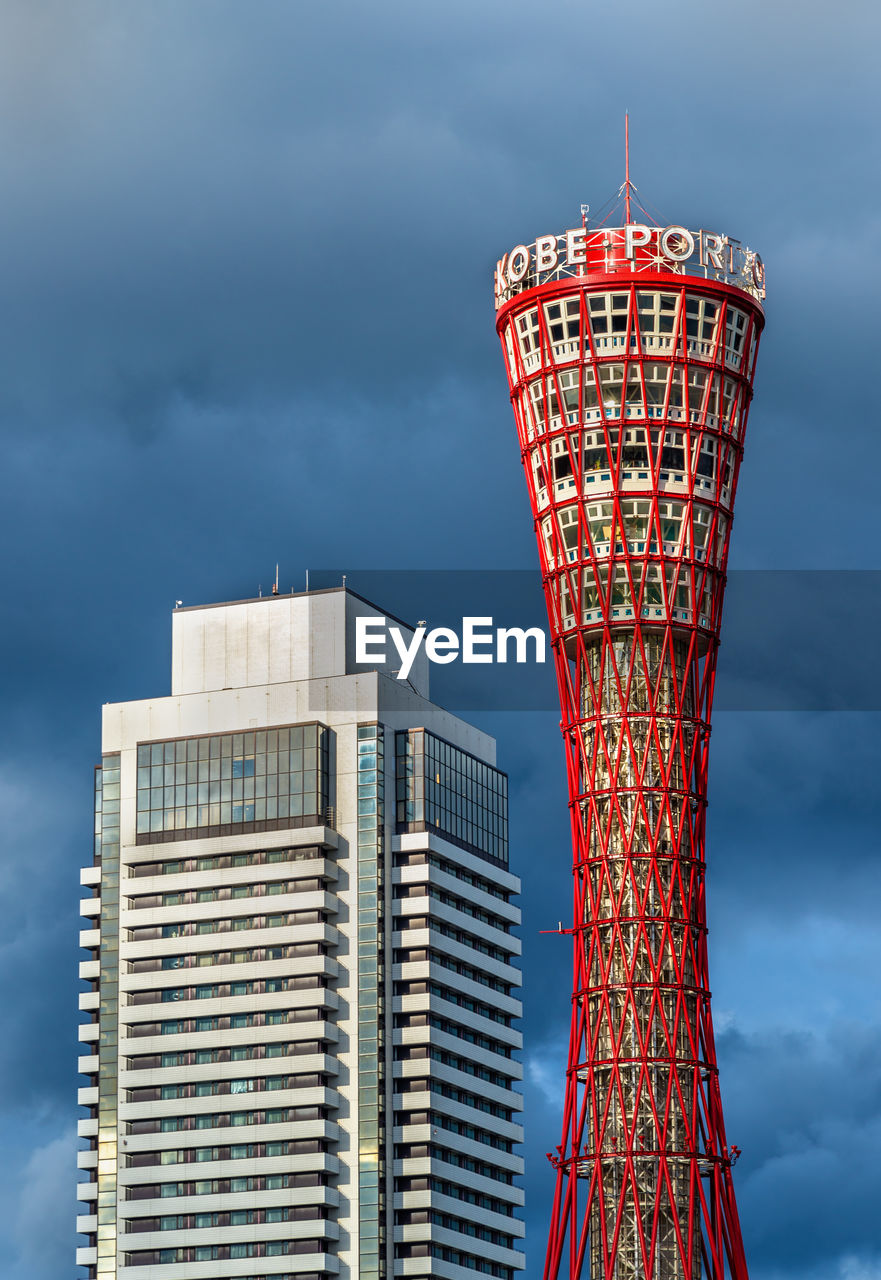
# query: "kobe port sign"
x,y
635,248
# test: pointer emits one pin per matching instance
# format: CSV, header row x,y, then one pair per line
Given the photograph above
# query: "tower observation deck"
x,y
630,353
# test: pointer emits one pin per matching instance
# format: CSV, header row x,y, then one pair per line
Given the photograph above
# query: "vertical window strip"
x,y
371,1162
441,788
107,852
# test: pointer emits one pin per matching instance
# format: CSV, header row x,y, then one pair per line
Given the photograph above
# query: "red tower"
x,y
630,353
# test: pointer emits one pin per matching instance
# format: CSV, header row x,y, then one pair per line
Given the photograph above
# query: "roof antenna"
x,y
627,167
275,584
307,581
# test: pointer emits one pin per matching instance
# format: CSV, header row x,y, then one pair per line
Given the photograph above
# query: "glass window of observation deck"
x,y
608,316
735,332
561,533
543,396
563,319
528,331
701,315
656,313
611,383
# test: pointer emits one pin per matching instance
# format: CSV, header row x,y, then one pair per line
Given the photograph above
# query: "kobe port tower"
x,y
630,351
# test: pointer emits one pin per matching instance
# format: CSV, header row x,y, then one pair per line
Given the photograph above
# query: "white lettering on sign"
x,y
546,256
757,267
637,246
712,248
576,247
518,263
635,234
676,243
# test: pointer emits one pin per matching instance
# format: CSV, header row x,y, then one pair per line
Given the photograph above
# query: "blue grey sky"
x,y
246,317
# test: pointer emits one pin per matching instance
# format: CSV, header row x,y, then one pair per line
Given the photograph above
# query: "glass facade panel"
x,y
107,857
444,789
234,782
371,1156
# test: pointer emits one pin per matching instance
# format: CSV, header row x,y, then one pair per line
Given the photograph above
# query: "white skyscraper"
x,y
302,993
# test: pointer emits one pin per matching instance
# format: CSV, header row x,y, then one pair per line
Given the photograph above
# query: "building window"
x,y
444,789
107,783
266,780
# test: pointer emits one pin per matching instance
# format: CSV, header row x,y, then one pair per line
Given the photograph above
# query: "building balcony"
x,y
406,1200
424,1133
480,1023
436,1269
402,908
136,1206
306,1130
449,883
425,1167
141,917
318,1228
310,1162
426,938
430,1101
314,1096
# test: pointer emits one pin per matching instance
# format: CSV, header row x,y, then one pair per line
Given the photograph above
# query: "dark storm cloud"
x,y
791,825
37,878
808,1176
806,1181
245,316
201,202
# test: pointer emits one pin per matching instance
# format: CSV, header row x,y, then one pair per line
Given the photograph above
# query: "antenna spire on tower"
x,y
627,167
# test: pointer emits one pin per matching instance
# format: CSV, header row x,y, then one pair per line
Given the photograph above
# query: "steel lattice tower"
x,y
630,352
